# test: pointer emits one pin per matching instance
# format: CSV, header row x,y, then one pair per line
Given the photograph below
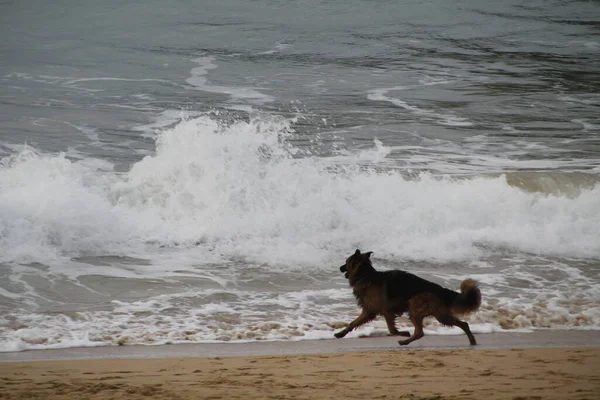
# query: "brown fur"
x,y
391,293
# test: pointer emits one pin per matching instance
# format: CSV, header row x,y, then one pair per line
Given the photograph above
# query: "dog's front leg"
x,y
361,319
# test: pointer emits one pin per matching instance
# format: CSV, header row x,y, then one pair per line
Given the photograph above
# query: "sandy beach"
x,y
368,368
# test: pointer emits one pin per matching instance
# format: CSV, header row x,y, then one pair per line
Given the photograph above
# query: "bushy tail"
x,y
469,298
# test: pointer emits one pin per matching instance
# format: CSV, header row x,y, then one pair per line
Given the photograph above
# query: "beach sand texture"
x,y
533,373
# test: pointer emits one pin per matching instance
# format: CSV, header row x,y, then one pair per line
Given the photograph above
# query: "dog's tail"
x,y
469,298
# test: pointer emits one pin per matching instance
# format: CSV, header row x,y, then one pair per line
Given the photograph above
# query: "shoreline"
x,y
553,365
487,341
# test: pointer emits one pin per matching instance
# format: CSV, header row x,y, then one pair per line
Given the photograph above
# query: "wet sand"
x,y
541,365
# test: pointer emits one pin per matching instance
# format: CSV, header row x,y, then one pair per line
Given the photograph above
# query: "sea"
x,y
197,171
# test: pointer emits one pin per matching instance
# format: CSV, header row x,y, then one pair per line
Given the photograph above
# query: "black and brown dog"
x,y
391,293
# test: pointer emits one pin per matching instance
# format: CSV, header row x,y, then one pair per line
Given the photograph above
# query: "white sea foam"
x,y
587,126
441,118
242,316
238,187
276,49
199,81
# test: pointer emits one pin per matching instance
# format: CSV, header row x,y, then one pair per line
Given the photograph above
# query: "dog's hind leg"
x,y
451,320
417,320
465,327
390,320
361,319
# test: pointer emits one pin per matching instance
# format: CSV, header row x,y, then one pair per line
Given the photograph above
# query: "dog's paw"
x,y
403,342
340,334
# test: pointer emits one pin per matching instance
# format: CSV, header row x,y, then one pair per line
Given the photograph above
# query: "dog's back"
x,y
402,284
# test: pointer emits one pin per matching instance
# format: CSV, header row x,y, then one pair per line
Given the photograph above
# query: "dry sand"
x,y
533,373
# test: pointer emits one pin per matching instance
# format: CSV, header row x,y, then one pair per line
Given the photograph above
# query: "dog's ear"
x,y
357,252
367,254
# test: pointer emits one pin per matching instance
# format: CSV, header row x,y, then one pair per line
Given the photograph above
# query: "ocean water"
x,y
186,172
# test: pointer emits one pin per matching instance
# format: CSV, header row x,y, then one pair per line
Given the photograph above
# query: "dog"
x,y
392,293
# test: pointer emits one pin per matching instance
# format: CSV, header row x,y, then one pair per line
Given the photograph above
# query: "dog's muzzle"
x,y
344,269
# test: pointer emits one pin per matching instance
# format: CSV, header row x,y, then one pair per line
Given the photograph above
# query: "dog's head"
x,y
354,262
